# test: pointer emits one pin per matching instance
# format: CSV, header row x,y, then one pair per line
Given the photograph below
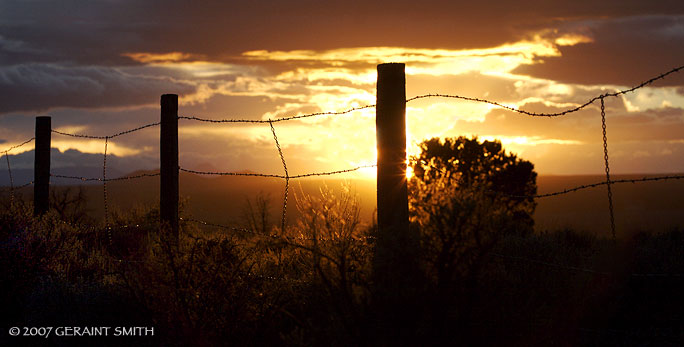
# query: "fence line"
x,y
287,177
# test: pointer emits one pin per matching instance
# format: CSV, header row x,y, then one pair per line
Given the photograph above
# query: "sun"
x,y
409,172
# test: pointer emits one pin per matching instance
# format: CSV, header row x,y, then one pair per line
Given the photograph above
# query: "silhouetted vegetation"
x,y
463,166
488,280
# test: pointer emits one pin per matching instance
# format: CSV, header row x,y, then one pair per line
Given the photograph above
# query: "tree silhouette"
x,y
462,199
502,178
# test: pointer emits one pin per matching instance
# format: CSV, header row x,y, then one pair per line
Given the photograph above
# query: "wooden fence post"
x,y
168,157
41,166
391,138
395,260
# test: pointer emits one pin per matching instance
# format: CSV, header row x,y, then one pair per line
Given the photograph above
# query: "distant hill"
x,y
640,206
643,206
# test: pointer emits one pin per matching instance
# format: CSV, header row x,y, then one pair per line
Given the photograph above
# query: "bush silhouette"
x,y
461,202
501,178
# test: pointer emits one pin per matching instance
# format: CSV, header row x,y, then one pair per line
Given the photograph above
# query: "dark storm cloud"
x,y
97,32
622,49
36,87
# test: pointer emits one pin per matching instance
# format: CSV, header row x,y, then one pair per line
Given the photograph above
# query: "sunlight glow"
x,y
573,39
309,81
95,146
149,58
409,172
504,58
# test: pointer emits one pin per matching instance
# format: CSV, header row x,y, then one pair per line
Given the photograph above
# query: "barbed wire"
x,y
252,174
99,179
574,189
219,173
19,145
23,185
586,186
287,177
85,136
556,114
259,121
605,157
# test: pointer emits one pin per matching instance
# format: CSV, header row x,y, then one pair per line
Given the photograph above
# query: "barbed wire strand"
x,y
574,189
270,121
98,179
593,185
19,145
287,177
23,185
250,174
85,136
605,157
556,114
219,173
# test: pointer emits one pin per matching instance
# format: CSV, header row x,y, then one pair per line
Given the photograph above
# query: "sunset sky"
x,y
99,67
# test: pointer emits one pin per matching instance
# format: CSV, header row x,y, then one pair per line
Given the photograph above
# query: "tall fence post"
x,y
41,167
395,269
391,138
168,157
393,223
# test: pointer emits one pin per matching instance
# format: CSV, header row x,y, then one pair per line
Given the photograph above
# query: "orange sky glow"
x,y
645,128
335,80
